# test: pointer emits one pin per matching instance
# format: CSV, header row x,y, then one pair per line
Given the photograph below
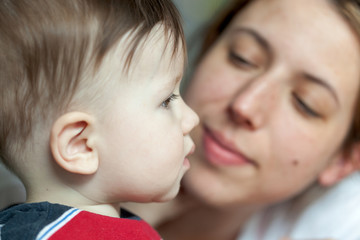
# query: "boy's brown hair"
x,y
47,48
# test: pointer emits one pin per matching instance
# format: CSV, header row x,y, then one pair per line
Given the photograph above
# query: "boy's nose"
x,y
190,120
251,105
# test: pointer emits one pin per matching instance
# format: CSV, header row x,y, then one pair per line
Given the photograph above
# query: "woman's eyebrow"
x,y
323,83
265,44
254,34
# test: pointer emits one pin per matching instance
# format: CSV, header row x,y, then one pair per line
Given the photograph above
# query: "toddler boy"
x,y
90,114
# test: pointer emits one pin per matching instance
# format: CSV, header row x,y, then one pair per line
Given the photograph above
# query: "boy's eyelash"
x,y
165,104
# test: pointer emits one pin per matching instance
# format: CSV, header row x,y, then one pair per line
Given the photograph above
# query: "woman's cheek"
x,y
303,156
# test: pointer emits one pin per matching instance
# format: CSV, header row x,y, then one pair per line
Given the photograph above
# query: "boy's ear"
x,y
345,164
72,143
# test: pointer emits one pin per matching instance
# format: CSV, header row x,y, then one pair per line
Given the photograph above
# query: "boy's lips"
x,y
192,150
219,151
186,160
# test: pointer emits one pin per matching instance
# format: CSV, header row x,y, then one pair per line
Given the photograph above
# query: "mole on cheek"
x,y
295,162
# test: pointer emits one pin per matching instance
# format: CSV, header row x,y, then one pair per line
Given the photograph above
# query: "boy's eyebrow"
x,y
178,79
173,81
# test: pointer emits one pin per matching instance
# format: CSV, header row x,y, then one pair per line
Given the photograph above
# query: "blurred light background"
x,y
196,15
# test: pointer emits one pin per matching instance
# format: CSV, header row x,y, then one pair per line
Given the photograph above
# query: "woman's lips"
x,y
220,153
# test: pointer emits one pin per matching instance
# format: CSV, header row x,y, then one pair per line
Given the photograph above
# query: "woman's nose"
x,y
251,105
190,119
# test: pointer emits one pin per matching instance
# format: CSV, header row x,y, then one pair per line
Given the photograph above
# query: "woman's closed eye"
x,y
305,108
166,102
240,61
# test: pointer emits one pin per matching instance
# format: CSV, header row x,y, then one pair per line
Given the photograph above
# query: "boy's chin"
x,y
168,196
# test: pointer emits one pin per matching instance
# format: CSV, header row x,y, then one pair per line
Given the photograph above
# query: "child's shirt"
x,y
54,221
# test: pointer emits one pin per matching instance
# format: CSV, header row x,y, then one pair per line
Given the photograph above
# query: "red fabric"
x,y
89,226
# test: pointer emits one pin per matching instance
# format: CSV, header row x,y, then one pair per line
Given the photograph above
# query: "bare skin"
x,y
190,219
194,224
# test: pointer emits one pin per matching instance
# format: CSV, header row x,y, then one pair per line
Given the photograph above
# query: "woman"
x,y
276,90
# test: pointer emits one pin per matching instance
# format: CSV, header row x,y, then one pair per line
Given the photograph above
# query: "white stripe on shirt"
x,y
53,227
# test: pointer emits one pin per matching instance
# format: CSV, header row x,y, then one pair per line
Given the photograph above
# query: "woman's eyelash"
x,y
238,59
166,103
305,108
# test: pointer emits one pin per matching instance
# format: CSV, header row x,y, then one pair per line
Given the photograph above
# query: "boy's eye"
x,y
166,103
305,108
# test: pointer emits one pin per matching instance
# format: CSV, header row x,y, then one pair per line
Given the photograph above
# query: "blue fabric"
x,y
24,221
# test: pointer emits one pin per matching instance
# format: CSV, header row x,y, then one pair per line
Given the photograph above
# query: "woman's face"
x,y
275,95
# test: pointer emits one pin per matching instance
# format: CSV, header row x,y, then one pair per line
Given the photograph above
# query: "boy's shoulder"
x,y
25,221
54,221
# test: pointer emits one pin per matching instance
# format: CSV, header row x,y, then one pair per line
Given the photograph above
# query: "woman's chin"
x,y
205,187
